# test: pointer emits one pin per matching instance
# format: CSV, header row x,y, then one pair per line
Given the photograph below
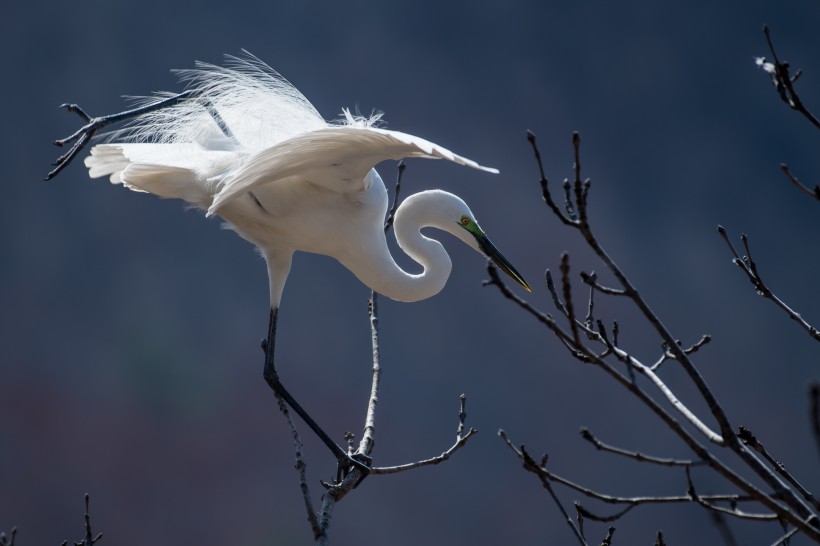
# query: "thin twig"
x,y
336,492
532,466
460,442
367,442
751,440
462,415
301,468
659,539
8,540
608,538
784,82
723,528
547,476
792,513
89,538
545,193
785,538
794,180
733,511
556,300
584,512
567,289
591,279
782,500
495,280
802,511
748,265
814,412
585,229
640,457
589,320
668,355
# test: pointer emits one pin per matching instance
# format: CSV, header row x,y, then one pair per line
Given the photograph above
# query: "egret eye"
x,y
464,220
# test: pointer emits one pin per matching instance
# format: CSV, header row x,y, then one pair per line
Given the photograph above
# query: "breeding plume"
x,y
244,144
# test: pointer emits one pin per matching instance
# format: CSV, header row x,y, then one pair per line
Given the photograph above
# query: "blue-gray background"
x,y
129,328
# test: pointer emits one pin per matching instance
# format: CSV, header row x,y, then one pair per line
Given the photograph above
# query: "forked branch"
x,y
590,342
349,478
748,265
89,539
784,83
783,80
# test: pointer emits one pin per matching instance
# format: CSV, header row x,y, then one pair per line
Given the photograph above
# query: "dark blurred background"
x,y
129,327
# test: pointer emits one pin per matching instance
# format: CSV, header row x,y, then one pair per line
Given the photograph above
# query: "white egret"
x,y
243,143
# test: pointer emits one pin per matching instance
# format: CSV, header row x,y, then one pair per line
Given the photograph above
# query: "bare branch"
x,y
545,193
668,355
814,411
608,538
631,502
640,457
495,280
723,528
785,538
367,443
460,442
751,440
805,189
659,540
567,288
462,415
589,320
89,538
556,300
784,502
586,231
732,511
783,81
8,540
586,513
301,468
749,267
781,491
591,280
532,466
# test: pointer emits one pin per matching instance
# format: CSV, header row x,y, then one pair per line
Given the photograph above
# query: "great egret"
x,y
243,143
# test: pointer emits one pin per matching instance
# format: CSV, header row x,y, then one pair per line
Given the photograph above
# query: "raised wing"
x,y
337,158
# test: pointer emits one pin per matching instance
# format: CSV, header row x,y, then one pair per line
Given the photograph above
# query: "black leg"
x,y
346,461
83,135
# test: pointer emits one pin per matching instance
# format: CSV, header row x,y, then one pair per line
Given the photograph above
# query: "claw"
x,y
346,464
71,107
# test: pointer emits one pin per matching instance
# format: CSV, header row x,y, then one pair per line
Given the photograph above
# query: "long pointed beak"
x,y
498,259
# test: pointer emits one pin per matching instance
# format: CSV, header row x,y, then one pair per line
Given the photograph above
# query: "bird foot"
x,y
347,464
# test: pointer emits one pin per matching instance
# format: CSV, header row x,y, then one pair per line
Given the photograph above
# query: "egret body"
x,y
244,144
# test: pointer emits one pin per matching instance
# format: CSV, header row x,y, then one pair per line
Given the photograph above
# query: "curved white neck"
x,y
376,268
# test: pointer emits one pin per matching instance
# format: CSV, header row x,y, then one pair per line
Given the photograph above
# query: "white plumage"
x,y
287,180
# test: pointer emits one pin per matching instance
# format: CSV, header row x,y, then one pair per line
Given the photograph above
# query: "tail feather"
x,y
136,172
167,182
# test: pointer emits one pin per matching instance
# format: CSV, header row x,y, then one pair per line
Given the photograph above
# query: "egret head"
x,y
481,243
448,212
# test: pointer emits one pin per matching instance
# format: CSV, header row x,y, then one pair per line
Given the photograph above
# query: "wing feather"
x,y
337,158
